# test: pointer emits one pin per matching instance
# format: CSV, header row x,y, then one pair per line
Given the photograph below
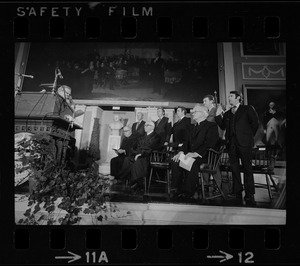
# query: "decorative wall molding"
x,y
279,50
34,127
264,71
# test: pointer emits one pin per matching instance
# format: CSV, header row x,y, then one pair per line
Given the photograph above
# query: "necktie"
x,y
158,121
233,109
137,125
232,118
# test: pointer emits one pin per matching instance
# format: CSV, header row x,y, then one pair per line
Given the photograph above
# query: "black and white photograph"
x,y
150,133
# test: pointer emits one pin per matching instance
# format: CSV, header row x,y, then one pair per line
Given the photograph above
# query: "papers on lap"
x,y
186,163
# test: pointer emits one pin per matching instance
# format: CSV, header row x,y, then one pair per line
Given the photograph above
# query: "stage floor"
x,y
133,207
135,213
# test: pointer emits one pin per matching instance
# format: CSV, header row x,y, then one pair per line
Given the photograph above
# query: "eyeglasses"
x,y
148,125
197,111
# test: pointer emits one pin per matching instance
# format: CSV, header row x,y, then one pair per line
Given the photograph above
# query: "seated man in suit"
x,y
203,136
138,127
135,167
129,142
181,129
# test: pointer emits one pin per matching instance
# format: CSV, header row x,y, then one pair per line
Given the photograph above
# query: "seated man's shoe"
x,y
187,195
235,196
188,198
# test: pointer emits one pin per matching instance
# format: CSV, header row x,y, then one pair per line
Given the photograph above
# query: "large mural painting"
x,y
179,72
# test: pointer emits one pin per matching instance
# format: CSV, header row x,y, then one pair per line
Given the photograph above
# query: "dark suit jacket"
x,y
181,131
245,124
202,138
212,114
163,129
129,143
147,144
140,131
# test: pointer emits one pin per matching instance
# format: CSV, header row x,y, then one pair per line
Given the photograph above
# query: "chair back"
x,y
224,160
264,156
214,158
161,158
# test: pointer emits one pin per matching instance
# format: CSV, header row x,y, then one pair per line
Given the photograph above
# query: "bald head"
x,y
149,126
127,131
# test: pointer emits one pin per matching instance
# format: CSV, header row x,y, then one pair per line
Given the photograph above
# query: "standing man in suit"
x,y
208,101
135,167
241,123
138,127
203,136
129,142
181,129
162,128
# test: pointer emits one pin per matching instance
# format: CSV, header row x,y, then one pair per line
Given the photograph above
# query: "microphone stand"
x,y
17,89
57,74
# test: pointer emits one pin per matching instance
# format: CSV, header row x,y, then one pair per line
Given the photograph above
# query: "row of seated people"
x,y
193,140
240,123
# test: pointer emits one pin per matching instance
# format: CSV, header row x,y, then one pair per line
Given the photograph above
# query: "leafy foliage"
x,y
56,182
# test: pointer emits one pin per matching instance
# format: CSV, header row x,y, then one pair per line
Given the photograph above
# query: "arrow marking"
x,y
224,258
73,258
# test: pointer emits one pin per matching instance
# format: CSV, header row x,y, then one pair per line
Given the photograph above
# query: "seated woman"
x,y
129,143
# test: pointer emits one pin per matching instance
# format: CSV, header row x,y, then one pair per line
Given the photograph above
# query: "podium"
x,y
47,113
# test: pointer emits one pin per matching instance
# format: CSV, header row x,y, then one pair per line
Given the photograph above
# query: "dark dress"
x,y
138,169
116,163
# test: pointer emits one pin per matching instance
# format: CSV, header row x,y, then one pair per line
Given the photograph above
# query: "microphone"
x,y
59,73
26,76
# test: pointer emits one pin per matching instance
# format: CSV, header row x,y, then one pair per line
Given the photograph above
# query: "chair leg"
x,y
202,187
145,185
151,172
269,187
273,182
168,183
219,188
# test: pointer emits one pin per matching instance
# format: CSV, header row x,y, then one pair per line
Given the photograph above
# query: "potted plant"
x,y
59,194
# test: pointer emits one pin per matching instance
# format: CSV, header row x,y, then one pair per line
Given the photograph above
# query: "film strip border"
x,y
153,22
130,28
151,244
181,245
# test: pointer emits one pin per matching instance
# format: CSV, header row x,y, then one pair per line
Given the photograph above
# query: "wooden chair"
x,y
211,169
225,167
263,162
160,161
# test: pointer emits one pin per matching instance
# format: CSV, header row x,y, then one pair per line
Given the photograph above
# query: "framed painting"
x,y
264,98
